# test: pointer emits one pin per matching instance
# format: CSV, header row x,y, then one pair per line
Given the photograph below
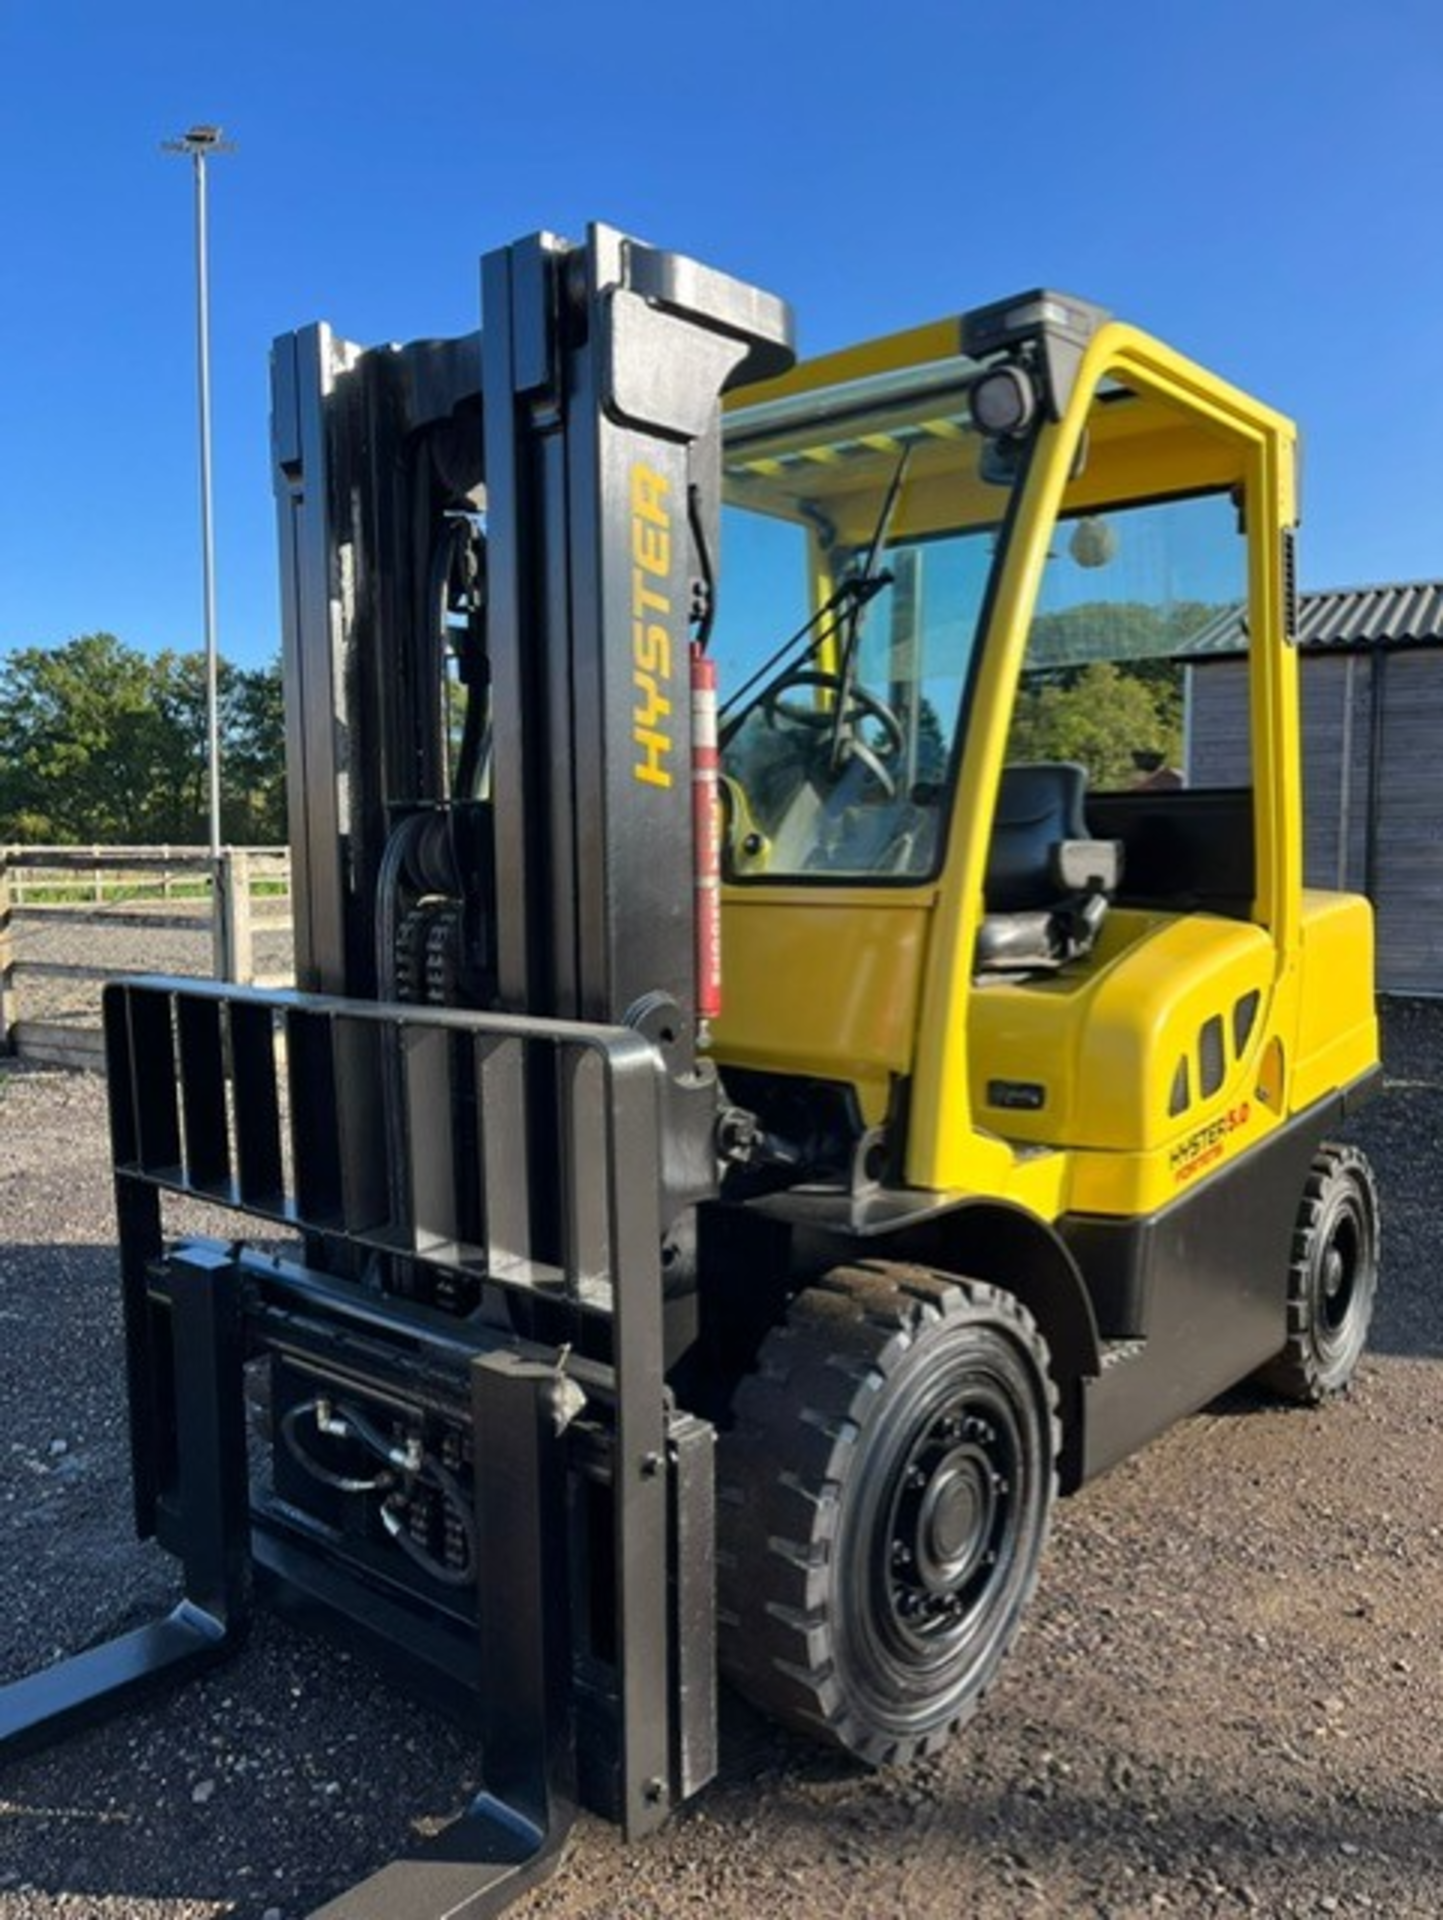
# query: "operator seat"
x,y
1048,882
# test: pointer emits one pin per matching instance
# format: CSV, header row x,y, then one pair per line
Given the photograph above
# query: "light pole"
x,y
200,143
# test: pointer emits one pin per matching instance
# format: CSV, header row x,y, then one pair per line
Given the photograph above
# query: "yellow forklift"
x,y
795,1060
1068,1032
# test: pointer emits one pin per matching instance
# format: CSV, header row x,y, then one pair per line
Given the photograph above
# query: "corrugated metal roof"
x,y
1224,633
1407,614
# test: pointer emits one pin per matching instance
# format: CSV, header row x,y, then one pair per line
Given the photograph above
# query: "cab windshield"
x,y
862,528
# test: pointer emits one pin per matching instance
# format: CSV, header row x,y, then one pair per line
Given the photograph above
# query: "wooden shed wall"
x,y
1375,829
1407,875
1217,725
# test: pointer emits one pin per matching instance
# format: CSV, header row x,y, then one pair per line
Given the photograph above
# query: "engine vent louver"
x,y
1245,1013
1211,1056
1180,1095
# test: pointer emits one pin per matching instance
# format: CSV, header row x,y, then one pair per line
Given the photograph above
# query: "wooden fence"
x,y
168,889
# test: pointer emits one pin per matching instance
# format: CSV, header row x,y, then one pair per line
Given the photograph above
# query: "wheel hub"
x,y
1337,1267
951,1513
954,1523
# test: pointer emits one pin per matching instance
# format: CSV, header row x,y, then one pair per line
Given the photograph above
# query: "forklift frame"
x,y
508,1267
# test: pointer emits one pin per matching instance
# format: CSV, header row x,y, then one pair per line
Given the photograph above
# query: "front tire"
x,y
1332,1279
884,1501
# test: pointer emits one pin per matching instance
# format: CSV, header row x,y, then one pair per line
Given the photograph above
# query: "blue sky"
x,y
1257,180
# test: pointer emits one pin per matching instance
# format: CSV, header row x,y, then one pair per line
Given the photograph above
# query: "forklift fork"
x,y
196,1313
513,1832
210,1620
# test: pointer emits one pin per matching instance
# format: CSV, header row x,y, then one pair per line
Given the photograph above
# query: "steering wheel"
x,y
851,705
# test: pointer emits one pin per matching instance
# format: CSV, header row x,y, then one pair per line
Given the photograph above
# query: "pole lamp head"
x,y
200,141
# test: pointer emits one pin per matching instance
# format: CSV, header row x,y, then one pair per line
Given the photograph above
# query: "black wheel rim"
x,y
953,1518
943,1541
1342,1266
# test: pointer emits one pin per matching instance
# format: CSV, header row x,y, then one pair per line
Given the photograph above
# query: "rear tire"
x,y
1332,1279
884,1499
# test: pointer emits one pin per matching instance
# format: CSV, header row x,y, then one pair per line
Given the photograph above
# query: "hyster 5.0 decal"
x,y
650,627
1207,1145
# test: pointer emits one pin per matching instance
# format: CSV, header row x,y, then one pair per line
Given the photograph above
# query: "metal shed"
x,y
1372,716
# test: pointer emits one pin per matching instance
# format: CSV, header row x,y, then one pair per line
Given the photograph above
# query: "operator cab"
x,y
894,731
848,625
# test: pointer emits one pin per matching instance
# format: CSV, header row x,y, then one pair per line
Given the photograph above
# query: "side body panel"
x,y
1337,1013
824,982
1214,1274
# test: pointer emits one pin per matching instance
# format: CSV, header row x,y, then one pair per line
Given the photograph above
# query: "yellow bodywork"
x,y
826,983
1185,1037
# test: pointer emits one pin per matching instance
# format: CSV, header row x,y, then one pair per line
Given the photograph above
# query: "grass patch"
x,y
114,893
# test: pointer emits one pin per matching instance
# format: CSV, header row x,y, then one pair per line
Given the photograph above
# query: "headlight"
x,y
1003,403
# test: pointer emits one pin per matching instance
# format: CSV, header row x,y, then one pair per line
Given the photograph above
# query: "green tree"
x,y
254,773
100,742
79,736
1130,630
1101,715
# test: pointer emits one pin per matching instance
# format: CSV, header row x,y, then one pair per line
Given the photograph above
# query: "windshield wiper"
x,y
846,602
868,573
851,594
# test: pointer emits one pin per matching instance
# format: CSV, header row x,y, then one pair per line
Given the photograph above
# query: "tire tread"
x,y
797,1420
1297,1373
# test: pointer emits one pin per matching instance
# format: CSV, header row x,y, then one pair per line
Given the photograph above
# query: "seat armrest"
x,y
1088,866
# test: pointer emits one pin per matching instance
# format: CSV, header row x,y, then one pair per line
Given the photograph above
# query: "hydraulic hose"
x,y
403,1467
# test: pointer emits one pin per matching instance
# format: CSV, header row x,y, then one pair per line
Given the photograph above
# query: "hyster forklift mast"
x,y
477,1467
1007,1147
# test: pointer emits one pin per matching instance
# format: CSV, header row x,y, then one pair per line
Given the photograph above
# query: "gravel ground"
x,y
1227,1700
